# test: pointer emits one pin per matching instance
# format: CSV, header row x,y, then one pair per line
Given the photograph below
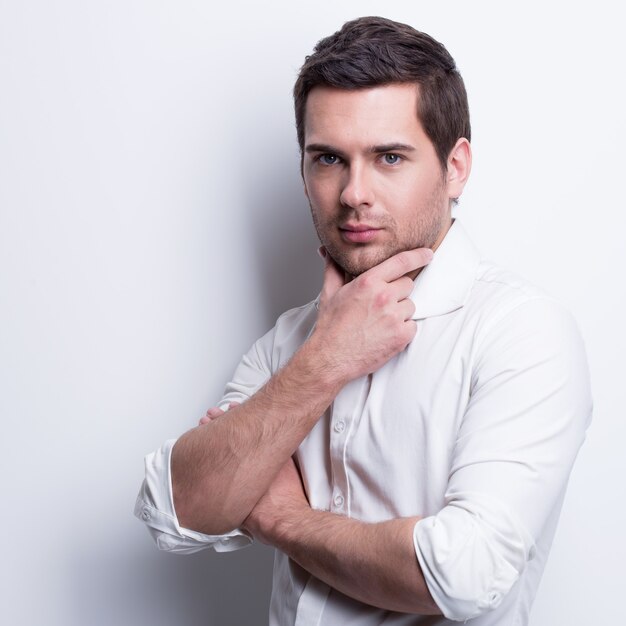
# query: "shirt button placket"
x,y
338,501
337,449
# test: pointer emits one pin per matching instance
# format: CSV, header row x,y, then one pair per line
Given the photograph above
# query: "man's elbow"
x,y
196,507
461,600
472,576
424,606
194,513
422,602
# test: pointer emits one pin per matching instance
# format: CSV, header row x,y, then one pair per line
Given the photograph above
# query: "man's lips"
x,y
358,233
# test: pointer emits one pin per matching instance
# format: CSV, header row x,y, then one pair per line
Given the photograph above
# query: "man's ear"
x,y
459,167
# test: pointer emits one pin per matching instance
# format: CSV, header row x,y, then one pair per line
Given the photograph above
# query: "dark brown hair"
x,y
373,51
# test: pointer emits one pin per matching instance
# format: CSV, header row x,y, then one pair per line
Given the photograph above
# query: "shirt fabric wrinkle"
x,y
474,426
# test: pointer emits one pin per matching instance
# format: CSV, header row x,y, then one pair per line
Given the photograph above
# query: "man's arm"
x,y
525,421
221,469
373,563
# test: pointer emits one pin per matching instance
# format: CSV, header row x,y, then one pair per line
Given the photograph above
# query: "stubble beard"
x,y
423,233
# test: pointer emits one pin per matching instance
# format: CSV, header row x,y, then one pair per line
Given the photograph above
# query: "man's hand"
x,y
364,323
214,413
222,469
283,500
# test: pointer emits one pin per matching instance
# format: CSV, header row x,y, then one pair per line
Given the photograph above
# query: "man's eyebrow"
x,y
321,147
392,147
386,147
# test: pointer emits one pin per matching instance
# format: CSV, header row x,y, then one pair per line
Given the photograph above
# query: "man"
x,y
405,440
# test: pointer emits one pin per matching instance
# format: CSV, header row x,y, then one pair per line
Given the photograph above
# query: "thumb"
x,y
334,278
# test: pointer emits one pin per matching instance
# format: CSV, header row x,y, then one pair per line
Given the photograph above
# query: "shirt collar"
x,y
445,283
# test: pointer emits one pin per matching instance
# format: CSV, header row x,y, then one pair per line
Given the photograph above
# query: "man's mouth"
x,y
358,233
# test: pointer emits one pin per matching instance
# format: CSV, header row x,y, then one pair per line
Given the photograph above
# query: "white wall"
x,y
152,225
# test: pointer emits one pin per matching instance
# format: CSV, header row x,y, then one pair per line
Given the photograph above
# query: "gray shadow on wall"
x,y
161,589
208,588
282,236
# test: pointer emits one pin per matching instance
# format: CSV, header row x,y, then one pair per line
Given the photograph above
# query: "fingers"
x,y
401,288
334,278
392,270
406,309
402,263
210,415
215,412
411,330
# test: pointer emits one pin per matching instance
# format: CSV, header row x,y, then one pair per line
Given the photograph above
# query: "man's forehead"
x,y
373,115
372,99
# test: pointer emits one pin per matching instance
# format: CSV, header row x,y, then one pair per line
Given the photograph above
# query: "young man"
x,y
405,440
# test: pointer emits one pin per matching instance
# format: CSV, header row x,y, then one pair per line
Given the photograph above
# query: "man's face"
x,y
372,176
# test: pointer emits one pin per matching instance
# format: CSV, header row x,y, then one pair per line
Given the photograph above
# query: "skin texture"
x,y
367,162
222,468
330,546
373,563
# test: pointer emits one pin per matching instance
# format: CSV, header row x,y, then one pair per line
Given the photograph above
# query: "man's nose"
x,y
358,187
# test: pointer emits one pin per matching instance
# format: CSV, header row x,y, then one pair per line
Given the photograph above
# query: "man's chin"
x,y
355,265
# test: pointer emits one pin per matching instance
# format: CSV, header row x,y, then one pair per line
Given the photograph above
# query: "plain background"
x,y
152,225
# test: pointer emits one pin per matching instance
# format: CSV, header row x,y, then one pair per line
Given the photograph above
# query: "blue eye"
x,y
391,159
328,159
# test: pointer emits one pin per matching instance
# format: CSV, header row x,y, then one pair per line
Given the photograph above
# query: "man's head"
x,y
383,126
374,51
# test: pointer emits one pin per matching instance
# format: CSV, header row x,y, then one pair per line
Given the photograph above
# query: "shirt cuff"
x,y
469,565
155,507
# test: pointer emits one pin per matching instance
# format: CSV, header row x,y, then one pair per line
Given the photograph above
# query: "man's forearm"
x,y
372,563
221,469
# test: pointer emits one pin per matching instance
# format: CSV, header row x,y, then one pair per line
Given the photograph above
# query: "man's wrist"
x,y
290,527
329,372
277,526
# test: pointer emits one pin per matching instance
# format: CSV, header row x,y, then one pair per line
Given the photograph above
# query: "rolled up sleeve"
x,y
530,405
155,503
154,506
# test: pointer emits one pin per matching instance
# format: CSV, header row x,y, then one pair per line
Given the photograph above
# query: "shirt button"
x,y
338,500
145,514
493,597
340,426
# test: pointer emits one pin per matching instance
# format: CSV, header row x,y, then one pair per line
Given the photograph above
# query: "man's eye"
x,y
391,159
328,159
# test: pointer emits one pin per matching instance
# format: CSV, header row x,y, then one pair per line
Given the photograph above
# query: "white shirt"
x,y
474,426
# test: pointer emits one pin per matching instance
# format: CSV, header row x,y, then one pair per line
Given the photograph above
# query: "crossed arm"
x,y
525,420
360,326
372,563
